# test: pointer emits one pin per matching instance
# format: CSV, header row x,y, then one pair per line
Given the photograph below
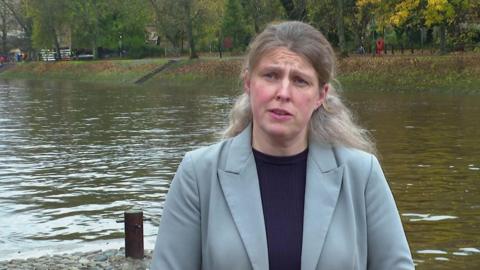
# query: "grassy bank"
x,y
459,72
455,72
112,71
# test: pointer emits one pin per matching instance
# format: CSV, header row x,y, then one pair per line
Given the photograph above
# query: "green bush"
x,y
145,50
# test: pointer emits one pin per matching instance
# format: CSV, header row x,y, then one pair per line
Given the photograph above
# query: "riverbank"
x,y
95,260
453,72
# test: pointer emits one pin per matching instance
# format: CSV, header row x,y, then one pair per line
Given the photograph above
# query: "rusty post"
x,y
134,234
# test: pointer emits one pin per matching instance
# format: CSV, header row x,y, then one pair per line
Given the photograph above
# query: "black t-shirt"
x,y
282,187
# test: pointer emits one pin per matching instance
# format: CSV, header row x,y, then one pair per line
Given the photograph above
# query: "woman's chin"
x,y
281,133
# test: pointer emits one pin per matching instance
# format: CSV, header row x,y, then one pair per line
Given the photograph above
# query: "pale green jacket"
x,y
213,217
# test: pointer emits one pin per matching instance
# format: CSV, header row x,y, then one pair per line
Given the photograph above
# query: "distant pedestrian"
x,y
380,46
361,50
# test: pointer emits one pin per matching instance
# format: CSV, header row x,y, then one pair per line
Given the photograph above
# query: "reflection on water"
x,y
73,157
431,155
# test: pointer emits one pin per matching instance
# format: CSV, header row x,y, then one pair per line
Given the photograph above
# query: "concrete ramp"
x,y
156,71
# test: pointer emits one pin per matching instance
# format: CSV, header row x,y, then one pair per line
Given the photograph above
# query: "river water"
x,y
74,157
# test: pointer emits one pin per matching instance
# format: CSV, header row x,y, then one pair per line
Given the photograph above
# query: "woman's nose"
x,y
283,91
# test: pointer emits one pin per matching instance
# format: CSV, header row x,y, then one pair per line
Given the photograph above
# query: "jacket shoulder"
x,y
358,162
347,155
209,155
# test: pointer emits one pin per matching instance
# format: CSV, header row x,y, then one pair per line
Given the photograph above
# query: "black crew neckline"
x,y
280,159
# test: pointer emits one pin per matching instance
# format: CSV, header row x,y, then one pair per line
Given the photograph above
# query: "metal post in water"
x,y
134,234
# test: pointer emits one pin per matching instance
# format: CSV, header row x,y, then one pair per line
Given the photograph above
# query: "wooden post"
x,y
134,234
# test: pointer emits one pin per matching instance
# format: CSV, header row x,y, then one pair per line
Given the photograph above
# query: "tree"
x,y
175,19
261,12
359,22
335,18
210,23
4,26
341,28
234,25
410,15
127,26
322,15
190,16
380,17
406,17
169,21
110,24
87,29
254,12
443,13
474,11
296,10
18,9
51,19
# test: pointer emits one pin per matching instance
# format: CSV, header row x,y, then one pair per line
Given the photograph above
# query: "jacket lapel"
x,y
239,182
323,184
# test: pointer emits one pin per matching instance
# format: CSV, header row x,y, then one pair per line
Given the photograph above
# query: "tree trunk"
x,y
220,43
4,30
191,40
57,44
341,29
423,35
443,42
25,23
95,48
182,39
357,40
410,40
95,32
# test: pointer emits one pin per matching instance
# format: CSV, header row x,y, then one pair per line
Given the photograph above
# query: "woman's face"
x,y
284,91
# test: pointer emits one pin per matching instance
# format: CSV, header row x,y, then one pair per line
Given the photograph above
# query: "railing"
x,y
48,55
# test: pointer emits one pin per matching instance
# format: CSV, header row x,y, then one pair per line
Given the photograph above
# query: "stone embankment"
x,y
112,259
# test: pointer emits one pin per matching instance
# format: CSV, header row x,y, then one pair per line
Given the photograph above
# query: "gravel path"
x,y
111,259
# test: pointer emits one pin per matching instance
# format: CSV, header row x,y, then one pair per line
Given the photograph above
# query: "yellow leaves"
x,y
362,3
437,4
403,11
439,11
394,13
399,12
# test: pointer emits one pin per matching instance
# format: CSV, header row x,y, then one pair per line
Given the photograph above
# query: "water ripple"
x,y
74,157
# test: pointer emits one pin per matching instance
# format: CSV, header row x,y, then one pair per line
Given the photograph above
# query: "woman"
x,y
294,185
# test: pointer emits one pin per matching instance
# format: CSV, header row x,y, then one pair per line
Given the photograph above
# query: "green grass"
x,y
113,71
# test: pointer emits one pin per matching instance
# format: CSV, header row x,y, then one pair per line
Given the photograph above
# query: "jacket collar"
x,y
241,150
240,186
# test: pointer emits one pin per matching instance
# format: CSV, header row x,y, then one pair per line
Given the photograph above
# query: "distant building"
x,y
151,35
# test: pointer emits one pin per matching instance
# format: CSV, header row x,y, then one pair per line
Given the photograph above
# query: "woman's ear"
x,y
322,95
246,82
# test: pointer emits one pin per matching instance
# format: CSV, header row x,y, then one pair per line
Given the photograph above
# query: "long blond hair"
x,y
333,122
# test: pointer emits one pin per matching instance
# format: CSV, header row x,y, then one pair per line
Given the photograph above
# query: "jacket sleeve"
x,y
178,244
387,244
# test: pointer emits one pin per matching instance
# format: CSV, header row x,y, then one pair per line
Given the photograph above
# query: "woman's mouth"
x,y
280,114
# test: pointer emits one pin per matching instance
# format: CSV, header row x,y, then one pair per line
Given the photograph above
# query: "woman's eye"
x,y
300,81
270,75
